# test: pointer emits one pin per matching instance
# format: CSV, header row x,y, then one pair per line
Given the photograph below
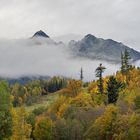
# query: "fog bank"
x,y
37,56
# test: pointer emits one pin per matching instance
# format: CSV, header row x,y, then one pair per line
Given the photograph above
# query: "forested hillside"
x,y
67,109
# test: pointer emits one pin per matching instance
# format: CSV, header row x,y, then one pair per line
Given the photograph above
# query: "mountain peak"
x,y
40,34
90,39
90,36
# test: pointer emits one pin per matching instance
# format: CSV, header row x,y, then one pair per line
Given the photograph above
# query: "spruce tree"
x,y
127,60
81,74
122,63
99,72
125,64
113,88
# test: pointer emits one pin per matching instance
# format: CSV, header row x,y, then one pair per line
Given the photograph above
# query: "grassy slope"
x,y
45,102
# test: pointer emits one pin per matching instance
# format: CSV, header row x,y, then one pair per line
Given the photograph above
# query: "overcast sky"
x,y
116,19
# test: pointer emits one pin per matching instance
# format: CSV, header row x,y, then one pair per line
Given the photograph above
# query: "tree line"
x,y
105,109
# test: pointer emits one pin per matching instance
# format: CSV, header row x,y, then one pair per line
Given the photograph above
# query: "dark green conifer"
x,y
81,74
113,88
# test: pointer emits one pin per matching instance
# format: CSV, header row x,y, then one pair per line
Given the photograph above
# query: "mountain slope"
x,y
101,49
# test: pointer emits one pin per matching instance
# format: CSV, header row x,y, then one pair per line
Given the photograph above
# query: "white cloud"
x,y
32,57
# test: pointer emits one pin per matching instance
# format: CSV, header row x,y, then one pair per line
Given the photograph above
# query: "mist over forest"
x,y
44,57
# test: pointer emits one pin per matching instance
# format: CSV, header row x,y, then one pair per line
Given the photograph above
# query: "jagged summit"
x,y
40,34
90,36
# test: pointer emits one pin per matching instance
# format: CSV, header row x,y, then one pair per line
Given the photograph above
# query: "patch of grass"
x,y
45,101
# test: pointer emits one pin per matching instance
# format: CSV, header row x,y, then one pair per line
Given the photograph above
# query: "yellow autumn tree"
x,y
44,129
72,89
21,129
103,127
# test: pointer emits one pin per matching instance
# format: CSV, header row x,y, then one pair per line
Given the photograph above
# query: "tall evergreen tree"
x,y
125,64
99,72
125,61
122,63
81,74
113,88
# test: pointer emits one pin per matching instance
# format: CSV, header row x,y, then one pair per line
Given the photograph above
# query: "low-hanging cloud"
x,y
33,57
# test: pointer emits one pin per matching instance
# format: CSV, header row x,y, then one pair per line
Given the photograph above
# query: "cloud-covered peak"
x,y
40,34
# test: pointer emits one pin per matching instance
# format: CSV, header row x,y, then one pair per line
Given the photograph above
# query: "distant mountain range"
x,y
97,48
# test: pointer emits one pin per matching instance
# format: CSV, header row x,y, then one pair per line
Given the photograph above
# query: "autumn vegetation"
x,y
105,109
